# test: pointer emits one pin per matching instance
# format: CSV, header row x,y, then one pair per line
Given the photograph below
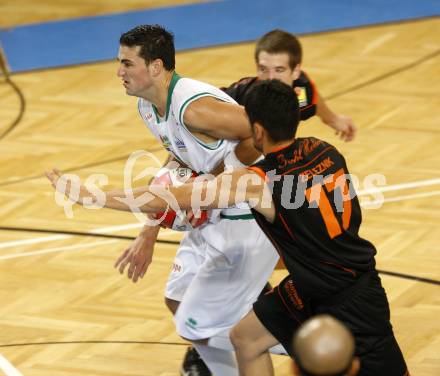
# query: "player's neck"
x,y
271,147
159,92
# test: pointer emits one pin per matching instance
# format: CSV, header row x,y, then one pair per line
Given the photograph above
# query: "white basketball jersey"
x,y
172,132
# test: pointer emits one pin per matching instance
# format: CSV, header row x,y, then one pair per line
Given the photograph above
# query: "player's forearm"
x,y
139,199
325,113
226,190
149,233
117,200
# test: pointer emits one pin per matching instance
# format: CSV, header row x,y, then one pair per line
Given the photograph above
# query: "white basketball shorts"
x,y
218,273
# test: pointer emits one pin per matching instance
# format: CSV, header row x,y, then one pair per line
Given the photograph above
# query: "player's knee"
x,y
172,305
241,343
236,338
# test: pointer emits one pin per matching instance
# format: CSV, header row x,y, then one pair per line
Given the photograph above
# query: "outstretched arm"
x,y
229,188
139,255
343,125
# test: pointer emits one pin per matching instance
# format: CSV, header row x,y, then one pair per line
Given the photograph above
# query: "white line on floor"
x,y
33,241
107,230
8,368
400,198
57,249
399,187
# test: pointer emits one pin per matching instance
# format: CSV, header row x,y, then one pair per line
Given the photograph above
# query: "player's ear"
x,y
355,365
295,368
296,71
156,67
258,130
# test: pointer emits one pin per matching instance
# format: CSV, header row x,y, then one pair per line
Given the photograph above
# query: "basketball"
x,y
171,219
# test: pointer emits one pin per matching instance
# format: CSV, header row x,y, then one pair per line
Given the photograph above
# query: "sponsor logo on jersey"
x,y
293,295
177,267
302,97
191,322
165,142
180,144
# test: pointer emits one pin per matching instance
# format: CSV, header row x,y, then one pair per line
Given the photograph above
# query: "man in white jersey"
x,y
217,280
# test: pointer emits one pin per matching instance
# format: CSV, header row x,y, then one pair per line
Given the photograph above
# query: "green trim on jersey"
x,y
155,113
173,83
213,146
236,217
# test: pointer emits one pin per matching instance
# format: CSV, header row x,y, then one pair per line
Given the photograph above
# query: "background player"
x,y
278,55
331,269
323,346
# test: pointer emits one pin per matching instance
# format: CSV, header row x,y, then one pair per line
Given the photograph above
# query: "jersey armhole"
x,y
314,90
182,110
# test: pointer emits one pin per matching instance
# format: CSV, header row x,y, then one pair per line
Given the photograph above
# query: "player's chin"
x,y
130,92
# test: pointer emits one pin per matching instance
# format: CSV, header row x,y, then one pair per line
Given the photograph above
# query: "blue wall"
x,y
90,39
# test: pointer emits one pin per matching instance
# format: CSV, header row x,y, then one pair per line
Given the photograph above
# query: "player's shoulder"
x,y
186,84
308,145
303,79
245,81
238,90
301,152
189,89
312,150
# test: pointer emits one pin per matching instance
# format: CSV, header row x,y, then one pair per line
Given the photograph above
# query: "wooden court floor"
x,y
65,311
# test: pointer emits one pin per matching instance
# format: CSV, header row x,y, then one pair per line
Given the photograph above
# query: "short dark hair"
x,y
275,106
279,41
155,43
